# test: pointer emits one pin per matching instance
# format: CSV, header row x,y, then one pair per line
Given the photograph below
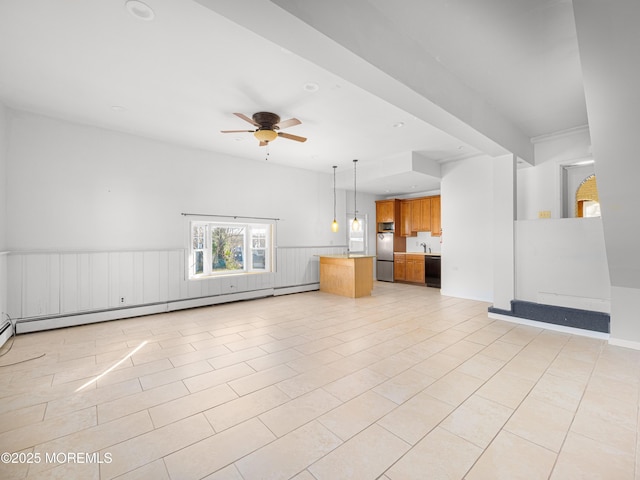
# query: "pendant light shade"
x,y
355,225
334,225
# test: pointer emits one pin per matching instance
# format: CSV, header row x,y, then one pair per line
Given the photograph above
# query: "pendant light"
x,y
334,225
355,225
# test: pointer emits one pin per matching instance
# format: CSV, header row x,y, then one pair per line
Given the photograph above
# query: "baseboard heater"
x,y
562,316
28,325
5,332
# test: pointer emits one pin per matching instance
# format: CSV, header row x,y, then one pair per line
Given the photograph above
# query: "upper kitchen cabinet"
x,y
405,217
420,215
385,211
436,225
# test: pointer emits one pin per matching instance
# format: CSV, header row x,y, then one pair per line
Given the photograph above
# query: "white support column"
x,y
504,215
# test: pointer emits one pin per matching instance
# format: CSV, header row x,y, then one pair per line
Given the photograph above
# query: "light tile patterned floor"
x,y
406,384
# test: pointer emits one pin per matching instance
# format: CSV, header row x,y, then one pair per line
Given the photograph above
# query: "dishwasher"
x,y
432,270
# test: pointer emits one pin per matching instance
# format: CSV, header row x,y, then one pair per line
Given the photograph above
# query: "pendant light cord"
x,y
334,192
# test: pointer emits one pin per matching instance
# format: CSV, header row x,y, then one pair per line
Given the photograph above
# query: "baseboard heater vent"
x,y
564,316
5,333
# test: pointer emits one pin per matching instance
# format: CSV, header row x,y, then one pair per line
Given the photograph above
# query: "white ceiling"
x,y
432,65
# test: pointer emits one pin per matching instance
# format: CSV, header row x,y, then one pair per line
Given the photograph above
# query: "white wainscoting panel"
x,y
56,285
40,284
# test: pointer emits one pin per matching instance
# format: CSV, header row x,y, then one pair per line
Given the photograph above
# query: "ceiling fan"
x,y
268,125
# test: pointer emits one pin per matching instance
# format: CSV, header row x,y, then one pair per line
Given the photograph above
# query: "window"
x,y
587,200
227,248
357,239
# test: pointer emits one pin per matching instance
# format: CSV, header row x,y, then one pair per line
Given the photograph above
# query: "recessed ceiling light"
x,y
398,125
311,87
140,10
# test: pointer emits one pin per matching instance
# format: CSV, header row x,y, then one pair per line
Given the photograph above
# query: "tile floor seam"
x,y
411,447
233,462
342,442
275,440
514,410
461,309
141,433
560,449
438,425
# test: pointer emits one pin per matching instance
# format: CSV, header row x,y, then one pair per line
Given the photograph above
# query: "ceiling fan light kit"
x,y
265,135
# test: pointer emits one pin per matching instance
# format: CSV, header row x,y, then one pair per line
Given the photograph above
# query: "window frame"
x,y
265,246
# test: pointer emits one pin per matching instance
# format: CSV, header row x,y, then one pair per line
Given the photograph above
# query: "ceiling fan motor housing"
x,y
266,120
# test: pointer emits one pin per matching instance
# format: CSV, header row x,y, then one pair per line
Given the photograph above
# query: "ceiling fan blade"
x,y
292,137
288,123
237,131
246,119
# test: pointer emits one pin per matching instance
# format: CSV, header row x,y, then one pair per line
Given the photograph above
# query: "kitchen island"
x,y
347,275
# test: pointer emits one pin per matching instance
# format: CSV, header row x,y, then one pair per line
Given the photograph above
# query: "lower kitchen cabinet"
x,y
415,269
399,268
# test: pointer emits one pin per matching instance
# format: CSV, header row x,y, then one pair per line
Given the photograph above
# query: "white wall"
x,y
467,228
563,262
559,261
504,214
79,187
3,211
94,221
540,186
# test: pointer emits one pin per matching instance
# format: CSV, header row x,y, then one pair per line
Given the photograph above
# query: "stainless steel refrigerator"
x,y
384,257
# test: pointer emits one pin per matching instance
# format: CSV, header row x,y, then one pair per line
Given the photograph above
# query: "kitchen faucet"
x,y
424,247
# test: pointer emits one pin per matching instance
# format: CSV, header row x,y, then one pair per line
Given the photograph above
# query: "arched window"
x,y
587,200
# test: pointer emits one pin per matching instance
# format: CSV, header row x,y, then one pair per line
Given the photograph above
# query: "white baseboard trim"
x,y
624,343
6,331
206,301
550,326
61,321
49,323
296,289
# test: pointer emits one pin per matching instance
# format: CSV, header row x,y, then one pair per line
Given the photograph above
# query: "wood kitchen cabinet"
x,y
436,225
385,211
409,268
415,215
399,268
414,269
421,215
405,217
